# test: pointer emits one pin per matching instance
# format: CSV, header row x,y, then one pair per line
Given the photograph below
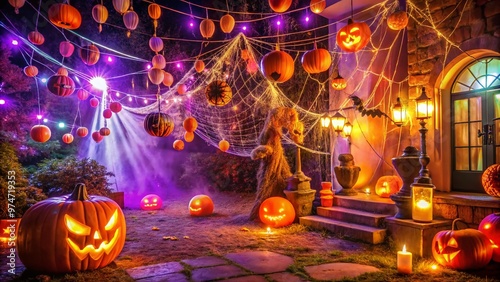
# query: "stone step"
x,y
363,233
353,216
369,203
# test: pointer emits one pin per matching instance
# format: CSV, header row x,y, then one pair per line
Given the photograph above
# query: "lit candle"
x,y
404,261
269,230
422,211
367,191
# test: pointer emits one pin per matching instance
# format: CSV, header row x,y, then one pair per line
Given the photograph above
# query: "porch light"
x,y
424,106
325,121
347,129
398,113
338,122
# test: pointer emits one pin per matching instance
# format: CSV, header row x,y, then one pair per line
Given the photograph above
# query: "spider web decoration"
x,y
218,93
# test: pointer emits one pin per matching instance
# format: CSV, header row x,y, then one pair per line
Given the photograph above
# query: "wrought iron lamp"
x,y
338,122
398,113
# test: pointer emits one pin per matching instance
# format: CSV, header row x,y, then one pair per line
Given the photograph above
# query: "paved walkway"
x,y
243,267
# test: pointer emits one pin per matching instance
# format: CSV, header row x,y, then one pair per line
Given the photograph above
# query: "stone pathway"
x,y
253,266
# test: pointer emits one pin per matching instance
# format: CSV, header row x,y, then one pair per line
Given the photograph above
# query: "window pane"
x,y
475,109
479,75
461,110
474,140
461,159
476,158
461,134
496,104
496,135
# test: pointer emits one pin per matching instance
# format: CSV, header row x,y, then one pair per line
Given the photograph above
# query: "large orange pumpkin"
x,y
354,36
89,54
31,71
277,66
207,28
65,16
276,212
462,249
190,124
40,133
218,93
158,124
316,60
75,232
397,20
100,15
388,185
490,226
491,180
36,37
280,6
61,85
66,49
227,23
201,205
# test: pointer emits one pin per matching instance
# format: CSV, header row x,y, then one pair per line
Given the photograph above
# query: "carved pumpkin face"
x,y
201,205
77,231
276,212
462,249
388,185
151,202
354,36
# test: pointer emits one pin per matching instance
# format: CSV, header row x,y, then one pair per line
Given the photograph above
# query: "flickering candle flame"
x,y
434,267
269,230
367,191
423,204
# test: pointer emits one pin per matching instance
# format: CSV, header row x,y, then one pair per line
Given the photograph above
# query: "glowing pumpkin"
x,y
159,61
65,16
31,71
201,205
68,138
388,185
277,66
115,107
223,145
40,133
207,28
100,15
96,135
316,60
181,89
190,124
227,23
168,79
63,71
339,83
89,54
151,202
82,131
61,85
354,36
156,44
280,6
66,49
490,226
199,66
218,93
104,131
36,38
188,136
158,124
276,212
178,145
317,6
462,249
397,20
156,75
491,180
94,102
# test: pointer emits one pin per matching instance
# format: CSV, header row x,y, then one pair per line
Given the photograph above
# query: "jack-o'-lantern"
x,y
223,145
490,226
151,202
277,66
190,124
201,205
96,135
276,212
218,93
462,249
207,28
354,36
168,79
158,124
67,138
31,71
227,23
65,16
77,231
491,180
388,185
61,85
188,136
40,133
397,20
339,83
178,145
82,131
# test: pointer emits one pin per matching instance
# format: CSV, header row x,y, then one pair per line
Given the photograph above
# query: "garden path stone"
x,y
335,271
204,261
285,277
216,272
250,278
261,262
155,270
172,277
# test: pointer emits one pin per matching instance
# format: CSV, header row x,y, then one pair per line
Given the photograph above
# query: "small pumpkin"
x,y
168,79
277,66
65,16
490,226
339,83
89,54
388,185
280,6
188,136
223,145
82,131
397,20
66,49
79,232
96,135
156,76
316,60
199,66
104,131
354,36
491,180
218,93
317,6
207,28
40,133
61,85
151,202
36,38
462,249
190,124
158,124
115,107
178,145
94,102
68,138
201,205
159,61
30,71
276,212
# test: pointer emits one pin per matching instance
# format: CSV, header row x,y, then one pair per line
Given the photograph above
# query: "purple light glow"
x,y
307,19
15,42
178,65
38,117
278,23
245,27
44,80
110,59
148,66
45,120
130,99
2,102
191,24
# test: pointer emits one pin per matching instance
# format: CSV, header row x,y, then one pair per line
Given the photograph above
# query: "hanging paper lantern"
x,y
94,102
339,83
276,212
115,107
354,36
121,6
159,61
199,66
280,6
190,124
104,131
223,145
61,85
154,11
82,131
40,133
100,15
201,205
66,49
168,79
277,66
317,6
252,66
131,20
218,93
62,71
158,124
182,89
178,145
107,113
156,75
227,23
207,28
30,71
397,20
316,60
68,138
156,44
16,4
82,94
36,38
188,136
89,54
97,136
151,202
65,16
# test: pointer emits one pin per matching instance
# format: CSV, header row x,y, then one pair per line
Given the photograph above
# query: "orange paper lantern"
x,y
159,61
156,44
207,28
100,15
156,76
223,145
227,23
30,71
168,79
82,131
66,49
89,54
121,6
36,38
199,66
181,89
61,85
188,136
178,145
68,138
65,16
190,124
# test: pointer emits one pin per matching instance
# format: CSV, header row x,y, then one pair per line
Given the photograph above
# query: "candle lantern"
x,y
422,203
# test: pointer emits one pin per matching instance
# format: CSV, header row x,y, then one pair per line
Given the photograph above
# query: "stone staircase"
x,y
359,217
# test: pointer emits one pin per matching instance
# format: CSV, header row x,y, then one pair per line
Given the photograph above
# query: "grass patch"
x,y
125,258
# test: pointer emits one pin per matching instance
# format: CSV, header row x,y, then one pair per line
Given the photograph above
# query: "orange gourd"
x,y
190,124
201,205
388,185
276,212
354,36
65,16
491,180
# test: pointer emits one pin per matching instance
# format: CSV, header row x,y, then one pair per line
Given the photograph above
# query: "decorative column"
x,y
407,166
